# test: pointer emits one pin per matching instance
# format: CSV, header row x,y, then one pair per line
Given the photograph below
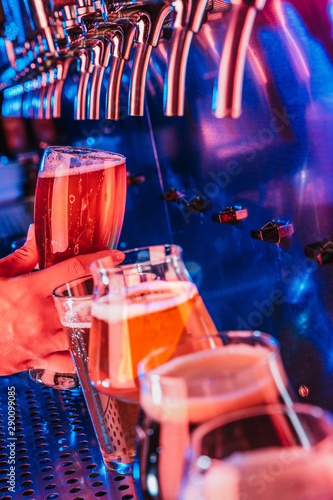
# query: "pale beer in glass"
x,y
114,421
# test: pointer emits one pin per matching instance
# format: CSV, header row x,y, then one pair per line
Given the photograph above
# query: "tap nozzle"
x,y
118,38
187,21
149,18
228,95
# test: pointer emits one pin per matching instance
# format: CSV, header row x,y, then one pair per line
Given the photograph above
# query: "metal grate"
x,y
56,452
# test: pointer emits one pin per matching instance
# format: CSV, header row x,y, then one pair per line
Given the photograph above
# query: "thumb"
x,y
23,260
46,280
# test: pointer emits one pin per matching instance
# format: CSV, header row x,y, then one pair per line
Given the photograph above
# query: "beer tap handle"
x,y
231,71
187,21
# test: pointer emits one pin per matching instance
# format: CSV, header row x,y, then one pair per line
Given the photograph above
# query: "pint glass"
x,y
79,209
114,421
186,385
147,302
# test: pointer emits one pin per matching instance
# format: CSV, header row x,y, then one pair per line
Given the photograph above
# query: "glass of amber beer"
x,y
185,385
79,209
147,302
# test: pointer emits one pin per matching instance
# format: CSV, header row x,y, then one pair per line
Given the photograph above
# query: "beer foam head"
x,y
145,298
214,362
74,313
76,326
61,161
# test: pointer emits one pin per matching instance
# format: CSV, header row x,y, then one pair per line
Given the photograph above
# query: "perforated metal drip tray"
x,y
56,452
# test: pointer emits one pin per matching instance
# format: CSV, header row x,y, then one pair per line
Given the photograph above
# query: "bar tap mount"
x,y
148,18
228,94
230,215
320,251
198,204
273,232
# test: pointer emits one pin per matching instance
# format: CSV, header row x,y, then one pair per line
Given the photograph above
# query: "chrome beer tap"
x,y
231,70
149,18
91,56
80,52
42,26
118,39
187,21
102,51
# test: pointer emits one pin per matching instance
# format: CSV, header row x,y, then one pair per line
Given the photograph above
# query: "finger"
x,y
23,260
58,342
60,362
47,280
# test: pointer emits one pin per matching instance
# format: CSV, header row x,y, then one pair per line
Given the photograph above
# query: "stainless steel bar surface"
x,y
51,446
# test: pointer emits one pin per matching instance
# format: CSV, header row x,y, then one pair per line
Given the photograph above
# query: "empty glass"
x,y
114,421
274,452
189,383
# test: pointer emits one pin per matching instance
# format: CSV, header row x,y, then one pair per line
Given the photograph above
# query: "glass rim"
x,y
79,152
97,265
57,295
297,408
145,375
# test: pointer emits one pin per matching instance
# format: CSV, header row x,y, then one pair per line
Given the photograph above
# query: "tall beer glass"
x,y
114,421
79,209
132,317
262,453
190,383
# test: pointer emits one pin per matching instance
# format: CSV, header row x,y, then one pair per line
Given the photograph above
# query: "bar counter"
x,y
56,452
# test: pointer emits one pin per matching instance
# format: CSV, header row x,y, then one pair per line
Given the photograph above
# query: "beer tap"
x,y
148,17
118,39
90,24
93,56
44,27
60,42
231,70
16,50
80,51
187,21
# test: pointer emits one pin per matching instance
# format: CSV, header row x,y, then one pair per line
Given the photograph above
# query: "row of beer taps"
x,y
95,35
